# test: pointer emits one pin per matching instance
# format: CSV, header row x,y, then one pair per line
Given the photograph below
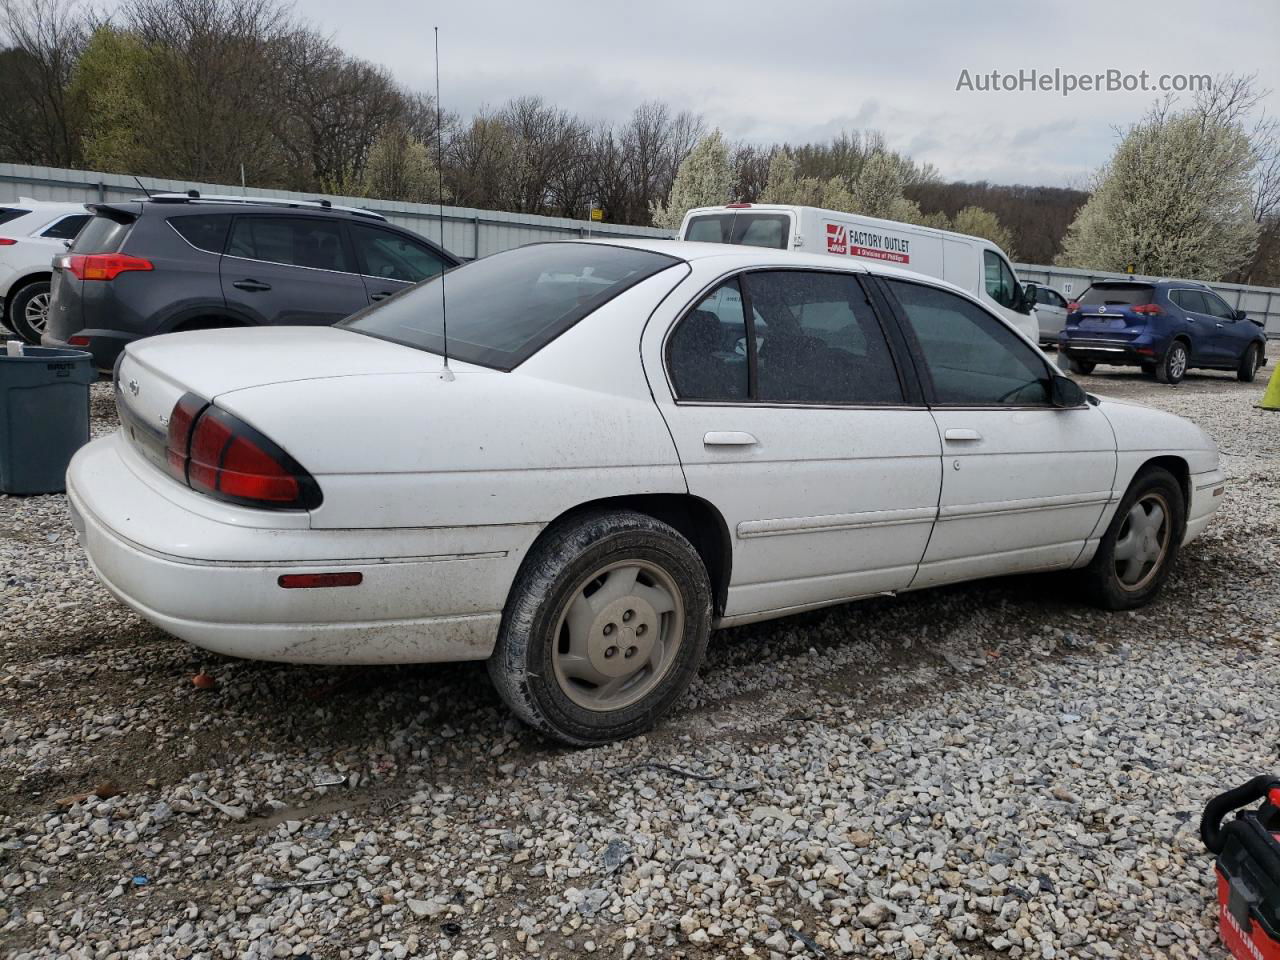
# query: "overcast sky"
x,y
804,71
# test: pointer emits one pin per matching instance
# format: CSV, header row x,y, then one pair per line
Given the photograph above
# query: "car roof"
x,y
206,201
692,251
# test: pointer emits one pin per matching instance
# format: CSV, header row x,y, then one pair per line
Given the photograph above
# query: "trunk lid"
x,y
153,374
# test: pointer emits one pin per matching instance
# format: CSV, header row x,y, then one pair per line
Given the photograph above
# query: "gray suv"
x,y
177,262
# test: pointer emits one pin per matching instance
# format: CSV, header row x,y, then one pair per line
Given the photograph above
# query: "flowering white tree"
x,y
704,179
1176,199
401,168
980,222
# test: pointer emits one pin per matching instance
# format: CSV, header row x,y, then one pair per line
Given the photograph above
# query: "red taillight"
x,y
1148,309
309,581
181,421
1073,306
737,206
215,453
103,266
7,242
79,340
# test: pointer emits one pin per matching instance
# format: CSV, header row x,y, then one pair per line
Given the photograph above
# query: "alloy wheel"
x,y
1177,363
36,312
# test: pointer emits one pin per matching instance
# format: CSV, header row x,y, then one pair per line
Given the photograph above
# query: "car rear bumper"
x,y
1103,350
104,345
416,602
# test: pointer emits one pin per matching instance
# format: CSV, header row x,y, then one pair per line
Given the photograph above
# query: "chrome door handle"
x,y
962,435
728,438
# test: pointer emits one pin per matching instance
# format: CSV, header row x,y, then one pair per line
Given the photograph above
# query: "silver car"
x,y
1051,310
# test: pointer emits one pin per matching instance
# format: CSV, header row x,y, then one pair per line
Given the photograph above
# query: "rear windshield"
x,y
102,234
505,308
11,213
1117,294
745,229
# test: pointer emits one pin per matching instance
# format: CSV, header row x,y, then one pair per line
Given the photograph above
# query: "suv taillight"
x,y
1148,309
102,266
1073,306
215,453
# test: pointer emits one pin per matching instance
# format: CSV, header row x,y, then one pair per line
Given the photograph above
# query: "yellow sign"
x,y
597,214
1130,269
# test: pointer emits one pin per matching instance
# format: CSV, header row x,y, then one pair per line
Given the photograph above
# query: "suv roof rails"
x,y
194,196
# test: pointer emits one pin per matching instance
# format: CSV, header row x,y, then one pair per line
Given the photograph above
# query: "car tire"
x,y
27,311
1082,367
1172,367
1249,364
561,660
1139,548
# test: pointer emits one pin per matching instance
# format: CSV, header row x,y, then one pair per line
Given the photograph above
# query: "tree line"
x,y
230,90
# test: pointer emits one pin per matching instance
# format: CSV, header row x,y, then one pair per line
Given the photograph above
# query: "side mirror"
x,y
1030,294
1241,315
1065,392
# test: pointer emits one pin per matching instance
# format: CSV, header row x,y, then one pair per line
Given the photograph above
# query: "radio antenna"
x,y
445,374
141,187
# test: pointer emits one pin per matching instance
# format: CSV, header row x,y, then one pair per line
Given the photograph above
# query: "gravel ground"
x,y
982,771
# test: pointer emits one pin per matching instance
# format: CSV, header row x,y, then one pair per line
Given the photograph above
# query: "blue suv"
x,y
1165,327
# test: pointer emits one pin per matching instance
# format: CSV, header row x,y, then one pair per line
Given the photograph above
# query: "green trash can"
x,y
44,416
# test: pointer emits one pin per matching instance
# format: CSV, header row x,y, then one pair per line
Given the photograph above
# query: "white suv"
x,y
32,233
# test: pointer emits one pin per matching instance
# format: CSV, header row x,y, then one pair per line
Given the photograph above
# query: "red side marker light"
x,y
310,581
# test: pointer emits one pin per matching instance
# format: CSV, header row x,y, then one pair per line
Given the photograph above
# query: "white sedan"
x,y
631,443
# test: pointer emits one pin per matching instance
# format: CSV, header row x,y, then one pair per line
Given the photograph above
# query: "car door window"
x,y
1217,307
1189,300
820,341
707,353
972,358
391,256
67,227
206,231
295,241
1000,282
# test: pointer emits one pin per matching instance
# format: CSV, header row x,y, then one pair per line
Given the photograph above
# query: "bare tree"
x,y
37,117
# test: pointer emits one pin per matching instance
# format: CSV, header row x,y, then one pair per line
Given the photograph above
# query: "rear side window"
x,y
745,229
102,234
818,341
1191,300
707,354
393,256
294,241
11,213
1117,294
814,340
1217,307
973,359
67,227
206,232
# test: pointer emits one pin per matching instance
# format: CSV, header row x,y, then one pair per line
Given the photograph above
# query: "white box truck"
x,y
975,265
